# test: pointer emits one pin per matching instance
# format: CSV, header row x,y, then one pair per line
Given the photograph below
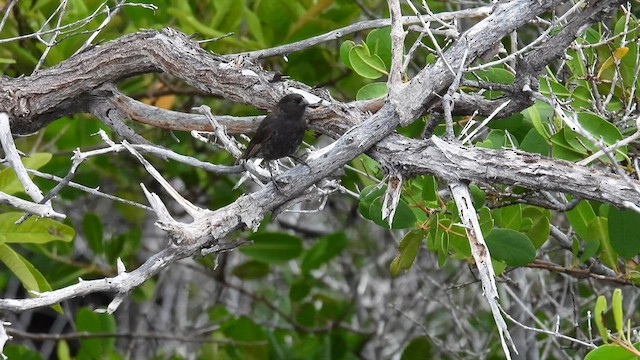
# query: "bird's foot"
x,y
277,186
300,160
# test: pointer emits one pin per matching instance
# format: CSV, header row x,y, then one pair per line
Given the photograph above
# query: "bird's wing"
x,y
262,136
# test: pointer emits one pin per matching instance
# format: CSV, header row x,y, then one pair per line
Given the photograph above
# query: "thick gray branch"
x,y
454,162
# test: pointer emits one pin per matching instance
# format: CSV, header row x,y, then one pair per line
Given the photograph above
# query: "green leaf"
x,y
599,128
345,48
403,218
122,245
407,252
331,309
7,61
254,25
533,142
379,42
581,96
244,329
591,247
540,228
372,91
611,352
323,250
299,290
496,140
442,242
510,246
496,74
18,266
29,276
570,140
458,243
539,114
624,227
562,149
419,348
63,352
509,217
93,232
429,188
498,267
89,321
251,270
367,196
616,306
33,230
600,308
598,229
189,20
307,315
273,248
478,195
579,217
365,64
9,183
227,15
12,350
557,88
575,64
486,220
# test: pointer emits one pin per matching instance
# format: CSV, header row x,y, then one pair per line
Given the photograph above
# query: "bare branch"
x,y
480,251
394,83
13,158
189,207
30,207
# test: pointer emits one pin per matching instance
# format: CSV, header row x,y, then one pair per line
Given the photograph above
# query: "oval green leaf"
x,y
345,47
580,216
379,42
9,183
93,232
273,248
598,228
509,217
540,228
251,270
33,230
18,266
403,218
611,352
323,250
624,227
419,348
372,91
510,246
616,306
367,196
407,251
365,64
600,308
91,322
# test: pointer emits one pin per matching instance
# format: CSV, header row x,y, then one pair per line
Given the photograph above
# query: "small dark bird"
x,y
281,131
